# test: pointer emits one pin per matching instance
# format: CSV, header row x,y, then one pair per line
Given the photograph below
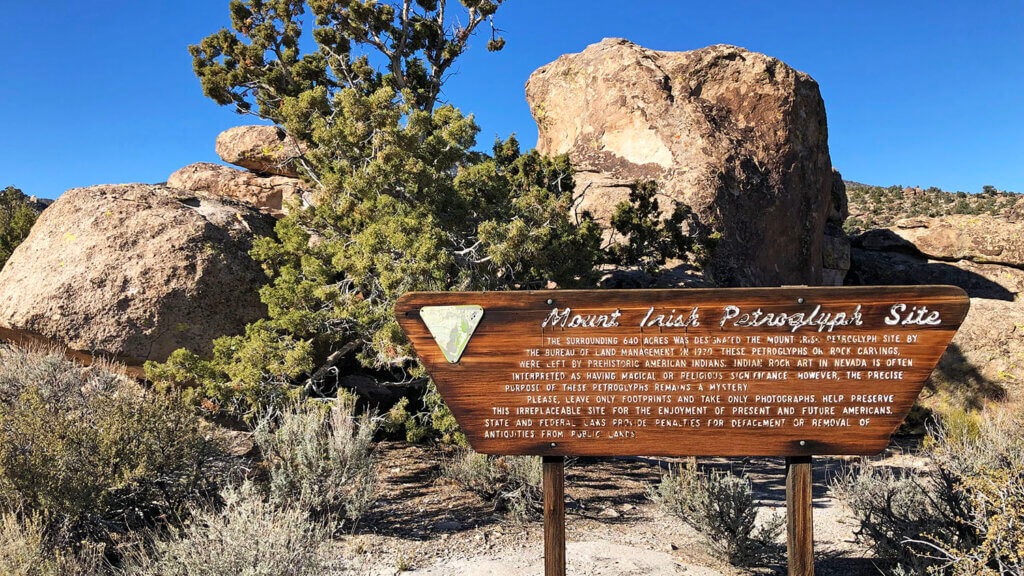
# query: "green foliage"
x,y
16,219
90,453
721,506
434,422
960,515
649,240
320,460
246,376
248,537
441,420
512,483
258,68
403,201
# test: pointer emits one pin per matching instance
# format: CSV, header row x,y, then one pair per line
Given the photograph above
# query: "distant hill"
x,y
881,207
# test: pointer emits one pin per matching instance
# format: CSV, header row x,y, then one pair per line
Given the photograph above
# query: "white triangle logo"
x,y
452,327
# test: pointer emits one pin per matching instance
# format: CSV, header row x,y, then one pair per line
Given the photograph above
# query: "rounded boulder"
x,y
133,272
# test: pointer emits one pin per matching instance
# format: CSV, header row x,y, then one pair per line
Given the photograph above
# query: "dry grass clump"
x,y
25,551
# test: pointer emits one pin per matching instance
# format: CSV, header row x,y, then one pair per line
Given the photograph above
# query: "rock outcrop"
x,y
988,351
263,149
738,136
979,238
38,204
133,272
270,194
835,246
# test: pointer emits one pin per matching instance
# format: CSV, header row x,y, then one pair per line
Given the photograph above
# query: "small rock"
x,y
448,526
263,149
609,513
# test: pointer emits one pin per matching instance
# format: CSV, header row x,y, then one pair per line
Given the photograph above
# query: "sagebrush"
x,y
961,515
91,453
512,483
320,460
248,536
720,506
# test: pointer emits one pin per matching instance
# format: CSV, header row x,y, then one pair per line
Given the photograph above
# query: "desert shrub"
x,y
247,537
894,507
320,459
204,382
431,420
16,219
25,550
720,506
960,515
90,453
394,420
512,483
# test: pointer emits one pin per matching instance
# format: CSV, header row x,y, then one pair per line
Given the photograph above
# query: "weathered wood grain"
x,y
799,516
554,516
476,386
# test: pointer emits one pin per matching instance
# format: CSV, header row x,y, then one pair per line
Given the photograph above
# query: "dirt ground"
x,y
424,525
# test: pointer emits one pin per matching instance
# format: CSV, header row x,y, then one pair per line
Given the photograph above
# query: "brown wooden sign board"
x,y
727,372
689,372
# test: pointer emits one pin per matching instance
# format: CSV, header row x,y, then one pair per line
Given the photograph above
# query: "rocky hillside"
x,y
879,207
981,252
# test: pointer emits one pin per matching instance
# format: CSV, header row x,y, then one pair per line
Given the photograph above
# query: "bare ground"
x,y
425,525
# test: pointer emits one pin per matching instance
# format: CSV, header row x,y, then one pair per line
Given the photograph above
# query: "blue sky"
x,y
917,93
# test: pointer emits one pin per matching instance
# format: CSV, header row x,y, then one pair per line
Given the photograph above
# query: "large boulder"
x,y
133,272
264,149
738,136
270,194
980,238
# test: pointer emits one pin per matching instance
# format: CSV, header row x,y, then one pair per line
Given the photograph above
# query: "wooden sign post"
x,y
789,372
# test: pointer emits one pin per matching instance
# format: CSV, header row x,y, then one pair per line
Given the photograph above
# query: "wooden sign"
x,y
724,372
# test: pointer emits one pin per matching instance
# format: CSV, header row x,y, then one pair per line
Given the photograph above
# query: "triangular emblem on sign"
x,y
452,327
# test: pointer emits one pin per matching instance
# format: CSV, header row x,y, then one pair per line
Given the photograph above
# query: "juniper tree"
x,y
403,202
16,219
646,239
